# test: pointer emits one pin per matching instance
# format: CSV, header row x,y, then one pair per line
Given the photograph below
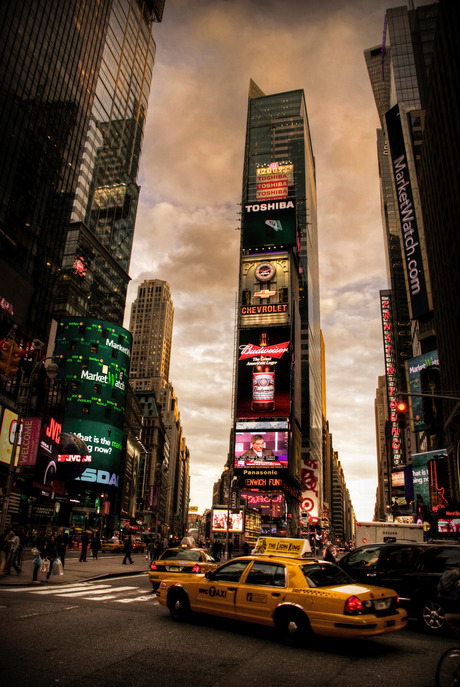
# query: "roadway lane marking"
x,y
136,598
73,588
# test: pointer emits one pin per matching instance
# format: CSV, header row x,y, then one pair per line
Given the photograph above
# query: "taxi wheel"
x,y
178,604
292,626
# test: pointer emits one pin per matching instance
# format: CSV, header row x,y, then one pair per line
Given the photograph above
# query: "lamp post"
x,y
24,396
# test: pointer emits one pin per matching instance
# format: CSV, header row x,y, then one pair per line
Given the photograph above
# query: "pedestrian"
x,y
62,541
50,553
246,548
329,556
151,552
128,547
95,545
15,550
22,543
4,551
229,549
84,547
40,541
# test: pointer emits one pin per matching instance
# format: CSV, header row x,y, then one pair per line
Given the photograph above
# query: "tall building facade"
x,y
75,80
277,430
408,83
167,472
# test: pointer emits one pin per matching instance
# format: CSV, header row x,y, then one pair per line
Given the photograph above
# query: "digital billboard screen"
x,y
219,520
269,224
261,449
264,373
93,357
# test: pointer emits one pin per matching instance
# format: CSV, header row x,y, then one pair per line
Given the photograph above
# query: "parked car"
x,y
413,570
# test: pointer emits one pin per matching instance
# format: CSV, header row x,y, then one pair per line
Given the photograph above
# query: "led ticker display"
x,y
261,449
271,223
93,358
219,520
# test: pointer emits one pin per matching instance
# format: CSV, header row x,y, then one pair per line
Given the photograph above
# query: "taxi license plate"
x,y
173,568
382,604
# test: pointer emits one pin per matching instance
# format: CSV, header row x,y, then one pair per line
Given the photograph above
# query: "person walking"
x,y
40,546
128,547
15,550
62,541
4,551
329,556
50,552
95,545
84,547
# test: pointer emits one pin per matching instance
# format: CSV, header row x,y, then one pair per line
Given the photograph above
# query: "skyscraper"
x,y
151,324
278,391
74,82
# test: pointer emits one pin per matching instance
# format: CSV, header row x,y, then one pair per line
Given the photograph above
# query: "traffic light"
x,y
11,356
401,405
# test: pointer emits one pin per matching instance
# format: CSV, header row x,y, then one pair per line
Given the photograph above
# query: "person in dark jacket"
x,y
95,545
128,547
329,556
62,542
50,552
84,547
40,542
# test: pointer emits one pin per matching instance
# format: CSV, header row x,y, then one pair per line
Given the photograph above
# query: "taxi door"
x,y
217,596
261,591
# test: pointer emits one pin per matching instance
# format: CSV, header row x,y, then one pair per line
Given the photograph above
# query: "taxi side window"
x,y
364,558
231,572
266,574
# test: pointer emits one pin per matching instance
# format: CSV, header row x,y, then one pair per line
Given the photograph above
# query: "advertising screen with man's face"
x,y
261,449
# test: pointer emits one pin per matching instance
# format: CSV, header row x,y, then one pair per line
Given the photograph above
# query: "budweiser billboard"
x,y
263,373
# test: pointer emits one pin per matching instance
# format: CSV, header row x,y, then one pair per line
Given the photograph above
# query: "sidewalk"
x,y
106,565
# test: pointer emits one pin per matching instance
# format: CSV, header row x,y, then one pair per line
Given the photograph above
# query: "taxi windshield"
x,y
322,575
184,555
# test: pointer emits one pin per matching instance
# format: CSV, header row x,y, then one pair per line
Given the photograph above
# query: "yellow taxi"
x,y
112,545
185,561
282,588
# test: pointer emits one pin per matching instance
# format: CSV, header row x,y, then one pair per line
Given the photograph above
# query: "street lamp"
x,y
24,397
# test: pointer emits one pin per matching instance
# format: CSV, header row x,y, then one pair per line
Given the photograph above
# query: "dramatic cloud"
x,y
191,171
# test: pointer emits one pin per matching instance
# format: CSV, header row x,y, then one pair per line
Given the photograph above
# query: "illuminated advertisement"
x,y
261,449
264,290
269,503
397,479
397,436
431,479
263,373
309,476
414,268
219,520
274,180
269,224
7,431
424,377
93,358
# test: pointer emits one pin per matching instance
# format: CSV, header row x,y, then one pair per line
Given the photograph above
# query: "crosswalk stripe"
x,y
59,590
95,591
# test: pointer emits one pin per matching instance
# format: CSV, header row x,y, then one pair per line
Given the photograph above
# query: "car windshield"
x,y
323,575
183,555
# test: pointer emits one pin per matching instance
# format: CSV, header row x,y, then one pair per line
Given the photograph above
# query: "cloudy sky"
x,y
191,173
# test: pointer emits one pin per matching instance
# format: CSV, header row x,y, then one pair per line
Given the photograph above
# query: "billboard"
x,y
7,432
219,520
424,376
261,449
413,258
93,357
269,224
264,373
269,503
274,180
264,289
431,479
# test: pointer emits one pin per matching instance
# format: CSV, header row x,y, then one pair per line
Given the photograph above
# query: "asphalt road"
x,y
113,632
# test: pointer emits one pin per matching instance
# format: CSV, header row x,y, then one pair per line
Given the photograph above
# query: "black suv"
x,y
412,570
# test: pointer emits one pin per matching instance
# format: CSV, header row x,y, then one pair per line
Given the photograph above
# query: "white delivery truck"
x,y
381,532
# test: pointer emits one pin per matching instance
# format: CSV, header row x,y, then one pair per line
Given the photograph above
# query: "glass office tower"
x,y
278,384
74,85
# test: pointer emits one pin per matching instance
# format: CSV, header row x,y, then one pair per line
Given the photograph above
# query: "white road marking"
x,y
95,591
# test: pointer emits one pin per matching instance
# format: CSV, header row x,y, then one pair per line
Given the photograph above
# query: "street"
x,y
113,632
